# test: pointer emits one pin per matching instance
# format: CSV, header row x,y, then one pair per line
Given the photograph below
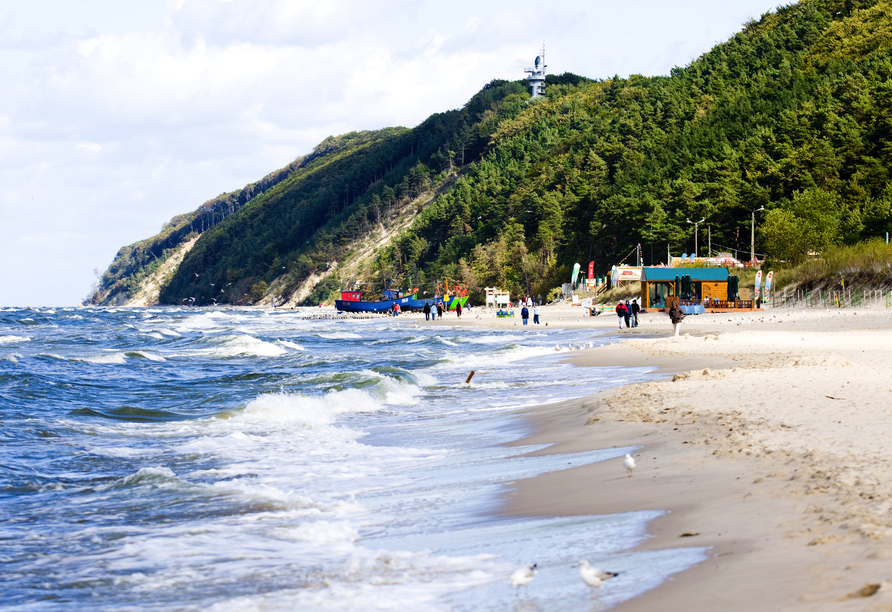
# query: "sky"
x,y
116,116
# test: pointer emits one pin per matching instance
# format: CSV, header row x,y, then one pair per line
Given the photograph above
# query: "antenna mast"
x,y
536,76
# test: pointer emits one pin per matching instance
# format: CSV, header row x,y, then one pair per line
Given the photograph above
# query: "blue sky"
x,y
116,116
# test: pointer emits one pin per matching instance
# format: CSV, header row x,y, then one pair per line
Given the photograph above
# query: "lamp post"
x,y
696,225
753,234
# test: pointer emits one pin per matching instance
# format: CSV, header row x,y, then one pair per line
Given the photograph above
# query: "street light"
x,y
753,235
696,225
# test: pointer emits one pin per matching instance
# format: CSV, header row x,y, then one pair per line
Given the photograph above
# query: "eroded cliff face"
x,y
149,288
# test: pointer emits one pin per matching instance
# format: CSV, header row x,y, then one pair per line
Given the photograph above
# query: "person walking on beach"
x,y
458,310
536,314
427,311
627,315
621,313
635,310
525,314
676,315
434,312
440,309
396,310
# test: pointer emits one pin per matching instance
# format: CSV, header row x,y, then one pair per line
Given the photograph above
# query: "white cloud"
x,y
112,123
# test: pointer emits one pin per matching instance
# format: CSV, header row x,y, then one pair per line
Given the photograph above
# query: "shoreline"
x,y
745,447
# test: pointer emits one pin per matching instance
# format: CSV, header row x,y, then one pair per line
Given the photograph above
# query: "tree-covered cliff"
x,y
792,114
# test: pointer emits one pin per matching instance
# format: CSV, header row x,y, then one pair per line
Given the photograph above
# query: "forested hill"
x,y
792,114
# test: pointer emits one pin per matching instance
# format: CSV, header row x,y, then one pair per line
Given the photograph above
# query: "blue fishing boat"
x,y
351,301
418,304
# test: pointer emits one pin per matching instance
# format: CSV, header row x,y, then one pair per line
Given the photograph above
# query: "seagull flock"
x,y
592,576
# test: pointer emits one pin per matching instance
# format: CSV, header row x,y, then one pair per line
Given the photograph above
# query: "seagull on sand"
x,y
523,576
594,577
629,464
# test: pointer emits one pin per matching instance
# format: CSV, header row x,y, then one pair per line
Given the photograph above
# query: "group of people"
x,y
525,311
628,313
432,312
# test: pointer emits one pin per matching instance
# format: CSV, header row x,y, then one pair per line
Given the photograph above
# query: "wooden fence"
x,y
837,298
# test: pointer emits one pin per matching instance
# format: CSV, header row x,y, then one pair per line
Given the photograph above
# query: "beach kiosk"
x,y
661,286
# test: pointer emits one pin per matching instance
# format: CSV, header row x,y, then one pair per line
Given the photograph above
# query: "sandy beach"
x,y
764,440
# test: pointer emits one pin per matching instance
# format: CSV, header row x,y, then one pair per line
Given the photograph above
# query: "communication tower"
x,y
537,75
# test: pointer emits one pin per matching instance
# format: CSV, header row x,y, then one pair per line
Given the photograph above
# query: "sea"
x,y
243,459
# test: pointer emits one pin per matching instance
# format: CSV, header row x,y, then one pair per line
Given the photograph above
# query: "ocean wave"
x,y
14,339
119,452
493,339
109,358
322,533
145,355
13,357
394,390
310,411
154,335
340,336
158,476
501,357
235,346
425,380
290,345
206,320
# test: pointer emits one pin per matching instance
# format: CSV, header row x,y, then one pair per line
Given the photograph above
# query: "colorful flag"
x,y
768,286
758,291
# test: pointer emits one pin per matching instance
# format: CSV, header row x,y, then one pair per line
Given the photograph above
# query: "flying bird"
x,y
594,577
629,464
523,576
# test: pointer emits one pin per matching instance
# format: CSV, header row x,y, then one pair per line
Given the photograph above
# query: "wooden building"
x,y
659,286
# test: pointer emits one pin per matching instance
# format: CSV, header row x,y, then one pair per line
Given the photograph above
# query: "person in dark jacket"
x,y
458,310
635,310
621,313
440,309
627,315
427,311
676,315
525,315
